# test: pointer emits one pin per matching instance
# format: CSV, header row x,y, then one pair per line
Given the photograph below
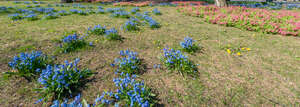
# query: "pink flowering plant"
x,y
284,22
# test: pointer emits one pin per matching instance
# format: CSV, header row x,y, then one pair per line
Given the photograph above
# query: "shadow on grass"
x,y
82,86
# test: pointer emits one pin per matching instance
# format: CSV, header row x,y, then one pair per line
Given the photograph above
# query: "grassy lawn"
x,y
267,75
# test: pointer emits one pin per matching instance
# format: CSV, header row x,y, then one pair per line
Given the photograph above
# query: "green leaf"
x,y
38,89
152,94
297,58
85,104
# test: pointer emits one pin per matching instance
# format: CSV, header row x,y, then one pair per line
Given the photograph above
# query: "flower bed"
x,y
282,22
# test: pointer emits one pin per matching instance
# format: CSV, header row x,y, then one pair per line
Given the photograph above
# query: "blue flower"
x,y
156,11
122,14
128,63
130,25
62,13
40,100
97,30
134,10
52,15
29,63
175,60
15,16
129,87
152,23
187,43
74,11
112,34
62,76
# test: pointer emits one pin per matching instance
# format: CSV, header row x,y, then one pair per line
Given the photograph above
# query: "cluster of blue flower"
x,y
188,45
82,12
60,79
172,56
128,63
16,16
75,103
129,92
61,5
133,92
3,9
32,14
100,10
176,60
112,34
74,11
51,16
274,6
152,23
156,11
97,30
293,6
24,11
63,13
27,2
112,10
17,2
31,17
35,5
74,5
44,10
134,10
131,25
29,64
109,34
72,43
29,6
50,13
121,14
167,4
71,38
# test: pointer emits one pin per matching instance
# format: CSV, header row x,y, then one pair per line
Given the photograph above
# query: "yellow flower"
x,y
243,48
248,49
239,53
14,71
229,51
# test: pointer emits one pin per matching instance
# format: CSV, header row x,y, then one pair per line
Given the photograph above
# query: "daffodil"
x,y
229,51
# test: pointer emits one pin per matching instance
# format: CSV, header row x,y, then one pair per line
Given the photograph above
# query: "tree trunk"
x,y
221,3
